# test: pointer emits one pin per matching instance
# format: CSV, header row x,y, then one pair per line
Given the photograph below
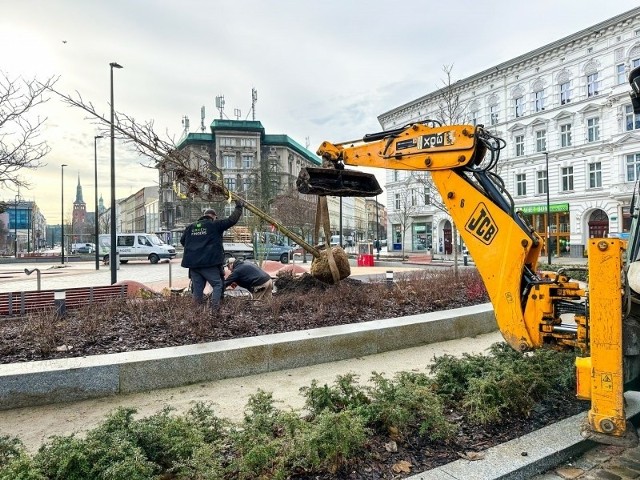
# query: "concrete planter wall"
x,y
53,381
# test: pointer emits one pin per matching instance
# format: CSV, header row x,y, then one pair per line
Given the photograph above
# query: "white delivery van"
x,y
136,246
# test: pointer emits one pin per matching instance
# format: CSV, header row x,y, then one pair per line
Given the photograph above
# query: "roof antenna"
x,y
254,100
220,105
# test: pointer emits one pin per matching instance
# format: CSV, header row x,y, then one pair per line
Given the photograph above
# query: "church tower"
x,y
79,209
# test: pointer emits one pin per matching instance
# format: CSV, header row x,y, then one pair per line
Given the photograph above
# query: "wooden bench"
x,y
20,303
419,258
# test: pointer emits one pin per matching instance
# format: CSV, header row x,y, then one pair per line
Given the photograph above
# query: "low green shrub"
x,y
492,387
270,443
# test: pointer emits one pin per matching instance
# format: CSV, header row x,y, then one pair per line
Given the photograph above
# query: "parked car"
x,y
83,248
271,246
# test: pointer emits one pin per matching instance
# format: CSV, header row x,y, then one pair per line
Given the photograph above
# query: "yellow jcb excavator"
x,y
533,309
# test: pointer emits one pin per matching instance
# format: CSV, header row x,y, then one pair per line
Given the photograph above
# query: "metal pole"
x,y
113,256
28,230
62,214
378,231
95,198
546,156
15,226
340,223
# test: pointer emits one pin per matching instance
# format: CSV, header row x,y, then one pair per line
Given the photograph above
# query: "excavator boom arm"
x,y
529,305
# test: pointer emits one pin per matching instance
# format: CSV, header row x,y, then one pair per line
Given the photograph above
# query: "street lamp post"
x,y
112,262
546,156
62,212
377,231
95,198
15,225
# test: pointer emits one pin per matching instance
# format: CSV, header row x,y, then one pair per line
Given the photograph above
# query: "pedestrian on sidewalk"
x,y
251,277
204,253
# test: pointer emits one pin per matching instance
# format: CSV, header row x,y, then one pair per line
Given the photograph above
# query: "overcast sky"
x,y
323,70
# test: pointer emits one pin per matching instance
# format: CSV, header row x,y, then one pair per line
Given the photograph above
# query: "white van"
x,y
136,245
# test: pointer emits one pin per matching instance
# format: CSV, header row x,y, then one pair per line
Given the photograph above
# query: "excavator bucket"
x,y
337,183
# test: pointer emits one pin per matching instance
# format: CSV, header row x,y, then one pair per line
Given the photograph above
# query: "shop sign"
x,y
553,208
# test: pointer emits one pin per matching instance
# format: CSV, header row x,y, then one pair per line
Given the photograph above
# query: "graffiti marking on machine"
x,y
481,225
434,140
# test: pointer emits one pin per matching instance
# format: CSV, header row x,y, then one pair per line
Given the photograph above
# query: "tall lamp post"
x,y
546,157
62,212
95,198
15,225
377,231
112,261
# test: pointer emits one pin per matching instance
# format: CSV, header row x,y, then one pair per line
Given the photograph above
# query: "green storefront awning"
x,y
553,208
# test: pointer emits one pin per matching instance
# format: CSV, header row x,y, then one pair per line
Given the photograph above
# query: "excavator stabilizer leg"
x,y
337,183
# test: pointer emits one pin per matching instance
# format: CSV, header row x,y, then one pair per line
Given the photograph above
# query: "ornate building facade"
x,y
565,114
258,166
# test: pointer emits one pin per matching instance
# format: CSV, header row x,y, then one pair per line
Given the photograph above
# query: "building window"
x,y
541,141
493,114
427,195
567,179
521,184
635,63
230,183
633,167
565,93
518,104
474,118
247,162
229,161
395,175
541,180
592,85
248,142
539,100
565,135
620,76
595,175
227,142
593,129
631,120
519,141
396,201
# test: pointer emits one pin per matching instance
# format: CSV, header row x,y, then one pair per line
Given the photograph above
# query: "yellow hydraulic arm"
x,y
530,306
504,248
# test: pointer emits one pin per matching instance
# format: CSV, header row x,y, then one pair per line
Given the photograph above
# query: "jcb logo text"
x,y
481,225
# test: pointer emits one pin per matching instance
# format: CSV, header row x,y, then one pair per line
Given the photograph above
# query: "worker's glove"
x,y
239,203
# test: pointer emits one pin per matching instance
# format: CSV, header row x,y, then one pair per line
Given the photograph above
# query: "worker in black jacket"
x,y
204,253
251,277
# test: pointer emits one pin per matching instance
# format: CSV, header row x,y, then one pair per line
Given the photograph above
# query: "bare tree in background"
x,y
297,212
451,111
402,216
192,176
20,144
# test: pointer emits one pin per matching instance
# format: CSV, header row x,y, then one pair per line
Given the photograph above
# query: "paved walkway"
x,y
157,277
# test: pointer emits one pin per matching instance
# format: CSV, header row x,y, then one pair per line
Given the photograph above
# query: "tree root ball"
x,y
320,265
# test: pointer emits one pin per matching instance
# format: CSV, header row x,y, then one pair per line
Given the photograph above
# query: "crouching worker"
x,y
250,276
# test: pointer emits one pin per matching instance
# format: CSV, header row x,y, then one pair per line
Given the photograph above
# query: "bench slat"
x,y
12,303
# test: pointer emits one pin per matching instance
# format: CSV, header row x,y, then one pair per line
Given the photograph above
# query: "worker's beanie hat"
x,y
210,212
237,262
